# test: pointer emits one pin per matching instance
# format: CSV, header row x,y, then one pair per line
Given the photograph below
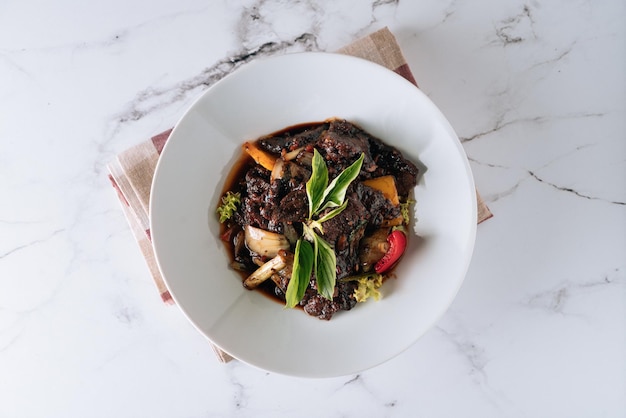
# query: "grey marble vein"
x,y
474,354
509,31
153,98
573,191
533,174
500,122
557,298
31,243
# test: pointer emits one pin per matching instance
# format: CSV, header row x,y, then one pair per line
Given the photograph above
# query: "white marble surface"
x,y
536,90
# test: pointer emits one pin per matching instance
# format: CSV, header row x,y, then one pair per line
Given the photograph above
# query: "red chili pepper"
x,y
397,245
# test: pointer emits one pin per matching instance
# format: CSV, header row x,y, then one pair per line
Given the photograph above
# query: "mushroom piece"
x,y
372,248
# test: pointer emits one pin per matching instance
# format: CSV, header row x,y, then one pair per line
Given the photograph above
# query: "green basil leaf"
x,y
321,195
325,268
308,231
335,193
331,214
317,183
301,273
313,226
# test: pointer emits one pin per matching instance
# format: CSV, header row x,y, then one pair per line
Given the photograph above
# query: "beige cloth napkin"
x,y
131,172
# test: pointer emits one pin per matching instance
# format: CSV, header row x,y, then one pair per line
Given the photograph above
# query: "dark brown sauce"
x,y
242,165
296,129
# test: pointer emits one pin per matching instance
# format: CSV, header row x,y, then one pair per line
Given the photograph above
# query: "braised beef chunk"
x,y
260,199
277,201
275,144
377,205
291,140
344,232
293,207
316,305
342,144
390,161
257,182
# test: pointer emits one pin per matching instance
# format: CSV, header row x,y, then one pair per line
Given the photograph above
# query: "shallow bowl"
x,y
265,96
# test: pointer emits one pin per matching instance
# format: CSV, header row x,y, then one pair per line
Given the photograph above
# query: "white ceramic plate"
x,y
263,97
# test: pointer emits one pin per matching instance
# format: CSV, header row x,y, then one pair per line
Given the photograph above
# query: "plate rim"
x,y
250,67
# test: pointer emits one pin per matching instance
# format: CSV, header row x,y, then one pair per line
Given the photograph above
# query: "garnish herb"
x,y
317,184
404,210
335,192
368,287
228,207
321,196
325,267
301,273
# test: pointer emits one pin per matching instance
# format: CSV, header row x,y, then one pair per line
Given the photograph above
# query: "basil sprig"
x,y
320,257
325,267
301,272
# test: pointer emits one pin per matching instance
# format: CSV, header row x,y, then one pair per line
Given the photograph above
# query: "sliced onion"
x,y
265,243
292,154
278,170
